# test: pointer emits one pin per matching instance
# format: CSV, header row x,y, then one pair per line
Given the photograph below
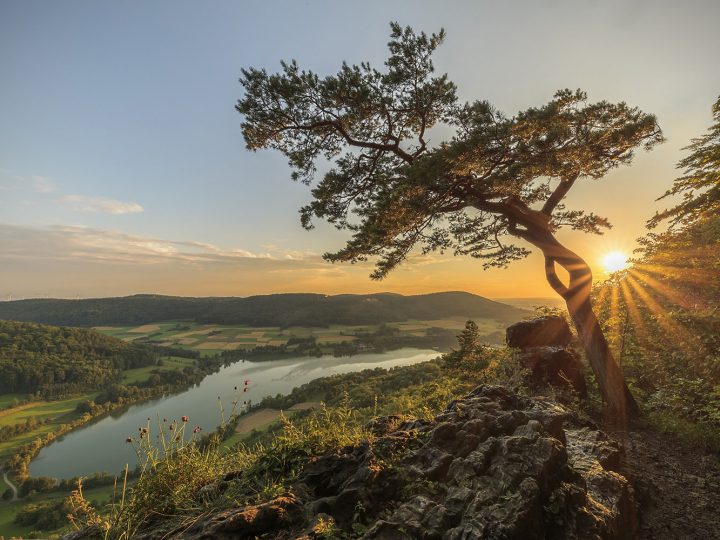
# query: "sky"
x,y
123,169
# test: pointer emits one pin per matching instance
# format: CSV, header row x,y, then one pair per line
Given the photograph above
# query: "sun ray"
x,y
634,314
601,297
617,327
663,289
691,276
682,338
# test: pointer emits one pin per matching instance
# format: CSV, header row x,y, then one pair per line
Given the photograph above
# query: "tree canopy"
x,y
498,176
497,179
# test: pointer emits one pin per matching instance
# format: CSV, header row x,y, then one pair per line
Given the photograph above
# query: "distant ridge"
x,y
292,309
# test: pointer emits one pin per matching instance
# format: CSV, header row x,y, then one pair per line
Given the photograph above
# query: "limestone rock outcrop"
x,y
493,465
542,345
548,331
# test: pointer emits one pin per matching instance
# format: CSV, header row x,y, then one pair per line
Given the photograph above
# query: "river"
x,y
101,446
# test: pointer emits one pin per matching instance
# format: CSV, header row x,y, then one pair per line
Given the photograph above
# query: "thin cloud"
x,y
85,244
42,189
43,184
100,205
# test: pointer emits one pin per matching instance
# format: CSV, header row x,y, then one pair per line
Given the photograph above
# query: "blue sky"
x,y
123,169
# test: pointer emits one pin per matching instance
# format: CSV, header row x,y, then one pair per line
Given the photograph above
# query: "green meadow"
x,y
51,413
139,375
8,400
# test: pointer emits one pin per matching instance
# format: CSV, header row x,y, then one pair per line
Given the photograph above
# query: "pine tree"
x,y
468,346
497,180
700,183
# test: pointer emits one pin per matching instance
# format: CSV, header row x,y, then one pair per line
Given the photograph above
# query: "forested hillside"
x,y
271,310
36,357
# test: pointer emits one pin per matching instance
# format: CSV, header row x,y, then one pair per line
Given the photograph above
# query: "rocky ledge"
x,y
493,465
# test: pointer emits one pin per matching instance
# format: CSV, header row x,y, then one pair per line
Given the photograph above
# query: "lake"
x,y
101,446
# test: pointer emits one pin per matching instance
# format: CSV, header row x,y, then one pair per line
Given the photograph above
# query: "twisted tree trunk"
x,y
619,402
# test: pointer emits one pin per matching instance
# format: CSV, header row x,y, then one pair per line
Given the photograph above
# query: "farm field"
x,y
215,338
263,417
54,412
138,375
9,529
261,420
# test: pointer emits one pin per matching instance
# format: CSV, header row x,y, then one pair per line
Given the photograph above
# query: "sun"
x,y
615,261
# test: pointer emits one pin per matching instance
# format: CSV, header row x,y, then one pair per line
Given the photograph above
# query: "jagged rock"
x,y
555,366
493,465
337,483
521,479
551,331
543,351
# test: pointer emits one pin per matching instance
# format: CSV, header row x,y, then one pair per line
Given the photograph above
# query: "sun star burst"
x,y
615,261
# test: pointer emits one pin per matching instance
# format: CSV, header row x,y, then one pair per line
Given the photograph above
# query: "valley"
x,y
243,248
63,426
211,339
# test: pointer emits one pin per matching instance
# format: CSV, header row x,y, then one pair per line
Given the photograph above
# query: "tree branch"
x,y
394,148
560,191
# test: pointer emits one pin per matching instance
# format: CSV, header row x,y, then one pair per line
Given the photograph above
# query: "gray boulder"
x,y
542,344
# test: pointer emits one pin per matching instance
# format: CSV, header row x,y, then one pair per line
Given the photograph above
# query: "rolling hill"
x,y
282,310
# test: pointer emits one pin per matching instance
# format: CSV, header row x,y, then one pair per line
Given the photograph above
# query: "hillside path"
x,y
677,487
12,486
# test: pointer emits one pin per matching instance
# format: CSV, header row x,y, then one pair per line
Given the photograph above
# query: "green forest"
x,y
54,361
283,310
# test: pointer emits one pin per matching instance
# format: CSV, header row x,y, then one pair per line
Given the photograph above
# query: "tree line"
x,y
283,310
